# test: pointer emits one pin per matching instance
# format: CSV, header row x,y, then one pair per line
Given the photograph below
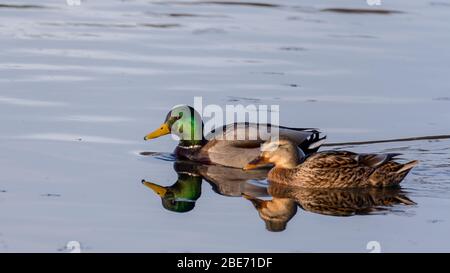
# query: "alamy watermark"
x,y
373,246
206,121
73,247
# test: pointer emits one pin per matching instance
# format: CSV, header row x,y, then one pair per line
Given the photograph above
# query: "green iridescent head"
x,y
184,122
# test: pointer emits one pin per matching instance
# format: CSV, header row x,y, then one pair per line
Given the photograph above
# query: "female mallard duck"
x,y
330,169
233,145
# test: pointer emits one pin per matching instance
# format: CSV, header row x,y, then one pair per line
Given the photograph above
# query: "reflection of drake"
x,y
335,202
182,195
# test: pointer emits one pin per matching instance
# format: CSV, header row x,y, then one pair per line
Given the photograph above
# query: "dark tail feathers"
x,y
313,143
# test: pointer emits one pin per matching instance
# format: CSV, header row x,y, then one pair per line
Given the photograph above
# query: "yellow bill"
x,y
159,190
161,131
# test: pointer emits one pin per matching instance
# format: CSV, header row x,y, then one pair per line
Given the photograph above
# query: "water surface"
x,y
81,85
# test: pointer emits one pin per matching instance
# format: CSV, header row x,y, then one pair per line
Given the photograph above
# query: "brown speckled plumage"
x,y
335,169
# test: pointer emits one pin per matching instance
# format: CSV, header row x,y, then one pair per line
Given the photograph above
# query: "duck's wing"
x,y
235,145
331,169
226,153
252,135
391,173
375,160
331,160
347,169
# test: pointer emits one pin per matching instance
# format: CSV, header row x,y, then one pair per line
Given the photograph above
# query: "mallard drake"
x,y
329,169
232,145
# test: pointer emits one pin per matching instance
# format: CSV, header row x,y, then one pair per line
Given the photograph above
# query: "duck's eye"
x,y
178,117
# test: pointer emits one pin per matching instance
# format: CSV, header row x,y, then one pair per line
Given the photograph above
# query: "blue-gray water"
x,y
81,85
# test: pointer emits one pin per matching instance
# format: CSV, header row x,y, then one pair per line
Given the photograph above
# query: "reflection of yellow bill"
x,y
159,190
256,163
161,131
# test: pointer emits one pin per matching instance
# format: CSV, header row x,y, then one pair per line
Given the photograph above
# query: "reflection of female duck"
x,y
230,145
342,202
335,202
330,169
276,212
182,195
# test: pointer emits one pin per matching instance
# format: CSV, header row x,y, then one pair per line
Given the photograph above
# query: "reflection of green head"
x,y
181,196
